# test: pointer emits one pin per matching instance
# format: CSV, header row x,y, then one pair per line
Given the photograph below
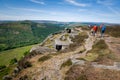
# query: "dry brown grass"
x,y
44,58
85,28
78,40
113,31
88,72
67,63
100,53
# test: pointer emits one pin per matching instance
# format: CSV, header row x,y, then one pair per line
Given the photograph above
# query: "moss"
x,y
67,63
90,57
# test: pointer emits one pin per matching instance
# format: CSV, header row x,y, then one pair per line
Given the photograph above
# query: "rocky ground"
x,y
50,69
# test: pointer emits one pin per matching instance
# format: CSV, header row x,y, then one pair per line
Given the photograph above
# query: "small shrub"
x,y
25,53
27,64
67,63
82,77
44,58
4,71
2,67
13,61
25,77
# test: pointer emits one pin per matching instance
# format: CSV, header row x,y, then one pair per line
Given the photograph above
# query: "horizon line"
x,y
62,21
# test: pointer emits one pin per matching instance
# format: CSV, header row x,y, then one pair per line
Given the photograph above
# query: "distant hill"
x,y
21,33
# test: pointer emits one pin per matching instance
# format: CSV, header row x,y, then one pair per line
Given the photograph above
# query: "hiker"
x,y
102,29
95,28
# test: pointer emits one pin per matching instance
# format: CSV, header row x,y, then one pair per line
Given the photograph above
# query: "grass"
x,y
113,31
67,63
84,28
65,37
44,58
88,72
6,70
100,53
48,41
6,56
78,40
80,37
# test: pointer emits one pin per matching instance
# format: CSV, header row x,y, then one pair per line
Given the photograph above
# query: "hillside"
x,y
21,33
67,55
81,57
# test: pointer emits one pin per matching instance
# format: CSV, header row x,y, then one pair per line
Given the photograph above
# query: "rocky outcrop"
x,y
50,68
41,50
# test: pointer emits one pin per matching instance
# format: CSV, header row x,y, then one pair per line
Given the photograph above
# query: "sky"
x,y
61,10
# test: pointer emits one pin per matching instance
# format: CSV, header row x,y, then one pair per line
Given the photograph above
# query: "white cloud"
x,y
38,2
109,4
73,2
114,11
26,9
36,11
82,10
105,2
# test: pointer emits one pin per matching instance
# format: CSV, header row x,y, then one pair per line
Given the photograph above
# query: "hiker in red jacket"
x,y
95,28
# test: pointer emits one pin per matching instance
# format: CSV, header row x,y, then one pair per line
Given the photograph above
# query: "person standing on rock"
x,y
102,29
95,28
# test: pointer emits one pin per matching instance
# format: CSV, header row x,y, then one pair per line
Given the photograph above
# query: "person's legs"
x,y
102,33
93,33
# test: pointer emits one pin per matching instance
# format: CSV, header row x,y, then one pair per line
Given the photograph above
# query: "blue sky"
x,y
61,10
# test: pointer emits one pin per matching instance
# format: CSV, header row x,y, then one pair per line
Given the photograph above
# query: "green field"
x,y
6,56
